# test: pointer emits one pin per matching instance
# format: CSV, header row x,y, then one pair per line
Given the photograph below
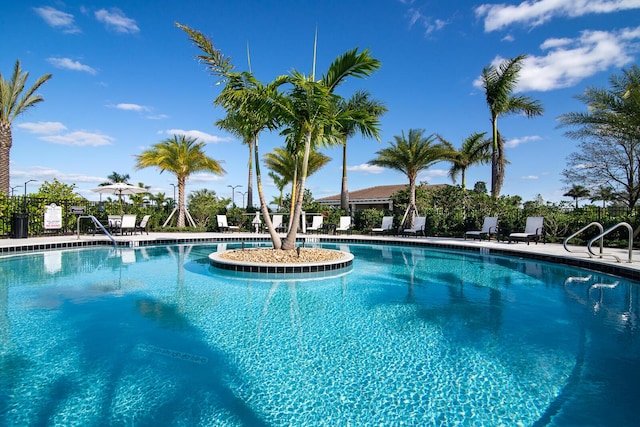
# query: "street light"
x,y
14,188
243,196
233,193
174,194
25,193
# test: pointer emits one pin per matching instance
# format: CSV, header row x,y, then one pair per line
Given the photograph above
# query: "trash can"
x,y
20,226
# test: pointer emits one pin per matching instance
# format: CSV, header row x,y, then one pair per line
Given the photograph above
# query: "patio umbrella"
x,y
120,189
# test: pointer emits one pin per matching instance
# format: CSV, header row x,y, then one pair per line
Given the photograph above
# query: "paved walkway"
x,y
551,251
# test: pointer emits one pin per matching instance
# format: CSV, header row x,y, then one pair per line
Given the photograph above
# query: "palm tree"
x,y
411,156
182,156
280,183
14,100
115,177
577,192
475,149
359,114
499,84
606,194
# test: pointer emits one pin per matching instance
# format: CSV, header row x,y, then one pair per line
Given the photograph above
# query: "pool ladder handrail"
x,y
609,230
597,224
99,224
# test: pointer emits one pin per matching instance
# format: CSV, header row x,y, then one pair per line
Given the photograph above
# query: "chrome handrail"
x,y
580,231
99,224
609,230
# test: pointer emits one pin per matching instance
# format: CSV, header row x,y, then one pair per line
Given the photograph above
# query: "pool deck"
x,y
553,252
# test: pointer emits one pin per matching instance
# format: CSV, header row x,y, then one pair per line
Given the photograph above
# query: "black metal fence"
x,y
20,214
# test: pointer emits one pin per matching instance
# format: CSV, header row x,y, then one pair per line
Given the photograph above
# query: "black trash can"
x,y
20,226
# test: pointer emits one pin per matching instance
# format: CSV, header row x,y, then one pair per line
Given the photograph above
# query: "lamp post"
x,y
25,194
174,194
244,194
233,193
14,189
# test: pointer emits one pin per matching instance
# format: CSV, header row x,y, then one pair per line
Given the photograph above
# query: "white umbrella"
x,y
120,189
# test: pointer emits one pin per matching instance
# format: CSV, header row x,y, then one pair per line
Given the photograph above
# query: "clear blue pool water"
x,y
408,336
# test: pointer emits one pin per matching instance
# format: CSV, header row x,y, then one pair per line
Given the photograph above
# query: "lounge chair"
x,y
223,225
278,224
533,230
128,224
387,225
489,227
419,223
113,223
143,226
316,224
345,225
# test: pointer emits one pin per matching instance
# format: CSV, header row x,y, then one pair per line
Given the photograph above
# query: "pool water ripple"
x,y
409,336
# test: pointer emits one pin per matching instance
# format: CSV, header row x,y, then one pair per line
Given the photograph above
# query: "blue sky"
x,y
124,78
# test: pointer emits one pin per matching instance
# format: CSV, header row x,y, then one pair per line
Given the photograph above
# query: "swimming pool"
x,y
413,336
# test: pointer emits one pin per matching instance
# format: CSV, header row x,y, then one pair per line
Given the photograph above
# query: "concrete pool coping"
x,y
552,252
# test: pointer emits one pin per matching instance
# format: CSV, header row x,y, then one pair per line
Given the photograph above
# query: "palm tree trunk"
x,y
344,192
250,183
181,184
495,160
290,241
412,200
275,238
5,149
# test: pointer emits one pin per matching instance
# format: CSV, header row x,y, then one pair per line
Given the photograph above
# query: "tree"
x,y
204,204
57,190
280,182
480,187
606,194
411,155
499,84
609,135
577,192
359,114
475,149
116,177
182,156
14,100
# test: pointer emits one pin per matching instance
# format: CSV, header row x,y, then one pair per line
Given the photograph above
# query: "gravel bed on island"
x,y
278,256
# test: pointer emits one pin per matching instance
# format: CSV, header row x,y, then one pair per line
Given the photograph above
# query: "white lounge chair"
x,y
489,227
128,224
345,225
419,223
278,224
385,227
316,224
224,226
533,230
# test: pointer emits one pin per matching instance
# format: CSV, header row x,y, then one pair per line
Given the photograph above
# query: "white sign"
x,y
53,217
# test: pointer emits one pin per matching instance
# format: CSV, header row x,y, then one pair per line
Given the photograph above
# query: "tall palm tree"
x,y
14,100
280,183
475,149
116,177
499,84
359,114
606,194
182,156
577,192
410,155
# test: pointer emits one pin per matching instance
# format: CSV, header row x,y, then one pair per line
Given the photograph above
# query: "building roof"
x,y
378,192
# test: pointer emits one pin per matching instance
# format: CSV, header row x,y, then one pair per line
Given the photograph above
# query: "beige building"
x,y
378,197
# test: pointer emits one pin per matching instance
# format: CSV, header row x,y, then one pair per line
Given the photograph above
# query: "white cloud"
x,y
158,117
45,128
367,168
80,139
511,143
131,107
115,19
43,173
529,177
433,173
70,64
568,61
57,19
428,23
202,136
204,178
534,13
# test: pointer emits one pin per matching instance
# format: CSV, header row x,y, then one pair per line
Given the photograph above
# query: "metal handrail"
x,y
580,231
609,230
99,224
